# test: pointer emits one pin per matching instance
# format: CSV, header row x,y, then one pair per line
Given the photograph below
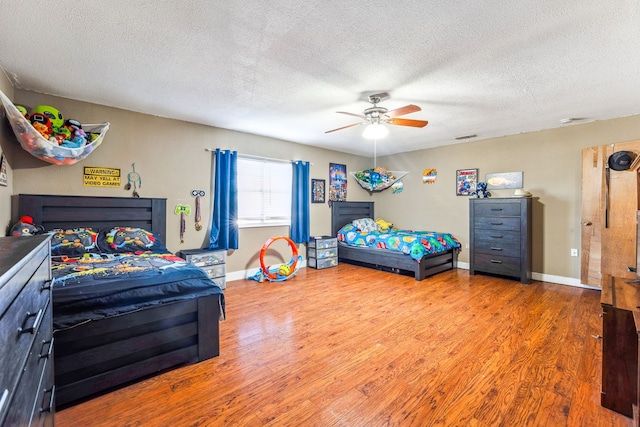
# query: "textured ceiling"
x,y
282,68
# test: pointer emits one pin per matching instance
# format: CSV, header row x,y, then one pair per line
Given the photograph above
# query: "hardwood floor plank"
x,y
349,346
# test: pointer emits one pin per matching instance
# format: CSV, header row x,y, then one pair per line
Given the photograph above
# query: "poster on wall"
x,y
466,180
337,182
3,170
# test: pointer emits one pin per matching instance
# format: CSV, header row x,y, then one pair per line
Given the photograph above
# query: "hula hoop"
x,y
292,262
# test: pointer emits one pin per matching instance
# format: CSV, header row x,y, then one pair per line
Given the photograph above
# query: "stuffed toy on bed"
x,y
24,227
383,225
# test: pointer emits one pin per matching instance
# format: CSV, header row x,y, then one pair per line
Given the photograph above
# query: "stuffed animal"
x,y
383,225
24,227
481,191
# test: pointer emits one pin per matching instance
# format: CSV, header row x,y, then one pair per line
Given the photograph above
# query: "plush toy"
x,y
57,120
383,225
481,191
24,227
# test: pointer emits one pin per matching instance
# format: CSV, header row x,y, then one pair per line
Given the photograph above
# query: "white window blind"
x,y
264,192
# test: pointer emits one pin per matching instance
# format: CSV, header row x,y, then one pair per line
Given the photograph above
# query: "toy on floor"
x,y
283,271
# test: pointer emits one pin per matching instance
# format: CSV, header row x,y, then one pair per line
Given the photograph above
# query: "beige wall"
x,y
7,145
171,158
551,162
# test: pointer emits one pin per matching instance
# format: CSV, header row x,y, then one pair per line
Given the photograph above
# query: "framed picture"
x,y
3,170
466,180
317,190
500,181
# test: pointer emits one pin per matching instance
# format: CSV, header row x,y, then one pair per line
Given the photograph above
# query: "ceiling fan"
x,y
379,115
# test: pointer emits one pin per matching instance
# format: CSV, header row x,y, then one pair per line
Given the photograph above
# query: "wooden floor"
x,y
350,346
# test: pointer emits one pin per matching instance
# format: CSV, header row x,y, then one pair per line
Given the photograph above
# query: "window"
x,y
264,192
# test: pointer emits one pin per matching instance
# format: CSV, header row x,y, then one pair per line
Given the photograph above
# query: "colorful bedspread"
x,y
101,285
413,243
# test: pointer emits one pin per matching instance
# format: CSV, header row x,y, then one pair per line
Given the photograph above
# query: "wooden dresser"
x,y
620,302
26,345
500,237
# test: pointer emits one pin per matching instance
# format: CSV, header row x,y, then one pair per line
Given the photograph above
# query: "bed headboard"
x,y
343,213
87,211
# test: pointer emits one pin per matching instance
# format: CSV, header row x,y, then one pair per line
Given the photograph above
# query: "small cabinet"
x,y
322,252
500,237
620,301
212,261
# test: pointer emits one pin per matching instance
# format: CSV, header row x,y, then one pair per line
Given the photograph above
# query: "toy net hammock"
x,y
377,179
40,147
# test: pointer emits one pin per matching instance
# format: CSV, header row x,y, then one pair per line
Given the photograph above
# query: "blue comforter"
x,y
413,243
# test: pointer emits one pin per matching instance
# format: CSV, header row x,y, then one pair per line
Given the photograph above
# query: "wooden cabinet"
x,y
212,261
500,237
27,392
620,328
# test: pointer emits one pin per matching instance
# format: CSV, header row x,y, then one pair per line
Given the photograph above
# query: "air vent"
x,y
473,135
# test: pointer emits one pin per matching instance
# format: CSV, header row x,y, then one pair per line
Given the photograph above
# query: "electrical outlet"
x,y
466,246
574,252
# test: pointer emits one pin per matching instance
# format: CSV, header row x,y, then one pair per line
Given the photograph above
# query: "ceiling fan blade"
x,y
351,114
403,110
343,127
408,122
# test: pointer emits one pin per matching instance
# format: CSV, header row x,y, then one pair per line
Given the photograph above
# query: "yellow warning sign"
x,y
101,177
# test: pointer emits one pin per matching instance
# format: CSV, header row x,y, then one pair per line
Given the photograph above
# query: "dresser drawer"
x,y
16,283
497,264
20,324
27,392
497,242
498,209
322,253
497,223
208,258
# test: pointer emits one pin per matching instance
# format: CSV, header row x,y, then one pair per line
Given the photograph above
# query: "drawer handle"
x,y
496,249
46,285
52,390
496,261
34,326
43,354
496,209
496,223
3,399
496,236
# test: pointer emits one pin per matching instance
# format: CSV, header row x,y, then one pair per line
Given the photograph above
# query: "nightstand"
x,y
212,261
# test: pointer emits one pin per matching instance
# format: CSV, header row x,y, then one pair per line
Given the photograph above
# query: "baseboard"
x,y
550,278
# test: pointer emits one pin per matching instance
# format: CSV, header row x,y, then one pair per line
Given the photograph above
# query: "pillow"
x,y
366,225
73,242
129,239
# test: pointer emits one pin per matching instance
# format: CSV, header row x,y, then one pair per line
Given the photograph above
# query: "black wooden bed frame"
x,y
105,354
343,213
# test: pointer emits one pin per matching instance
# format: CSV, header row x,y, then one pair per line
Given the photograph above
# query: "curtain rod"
x,y
249,156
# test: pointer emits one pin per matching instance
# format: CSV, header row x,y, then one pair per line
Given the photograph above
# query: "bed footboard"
x,y
102,355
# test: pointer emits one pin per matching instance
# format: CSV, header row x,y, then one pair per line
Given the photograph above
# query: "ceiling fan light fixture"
x,y
375,131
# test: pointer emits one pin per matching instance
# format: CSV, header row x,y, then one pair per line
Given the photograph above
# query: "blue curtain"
x,y
300,200
224,224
